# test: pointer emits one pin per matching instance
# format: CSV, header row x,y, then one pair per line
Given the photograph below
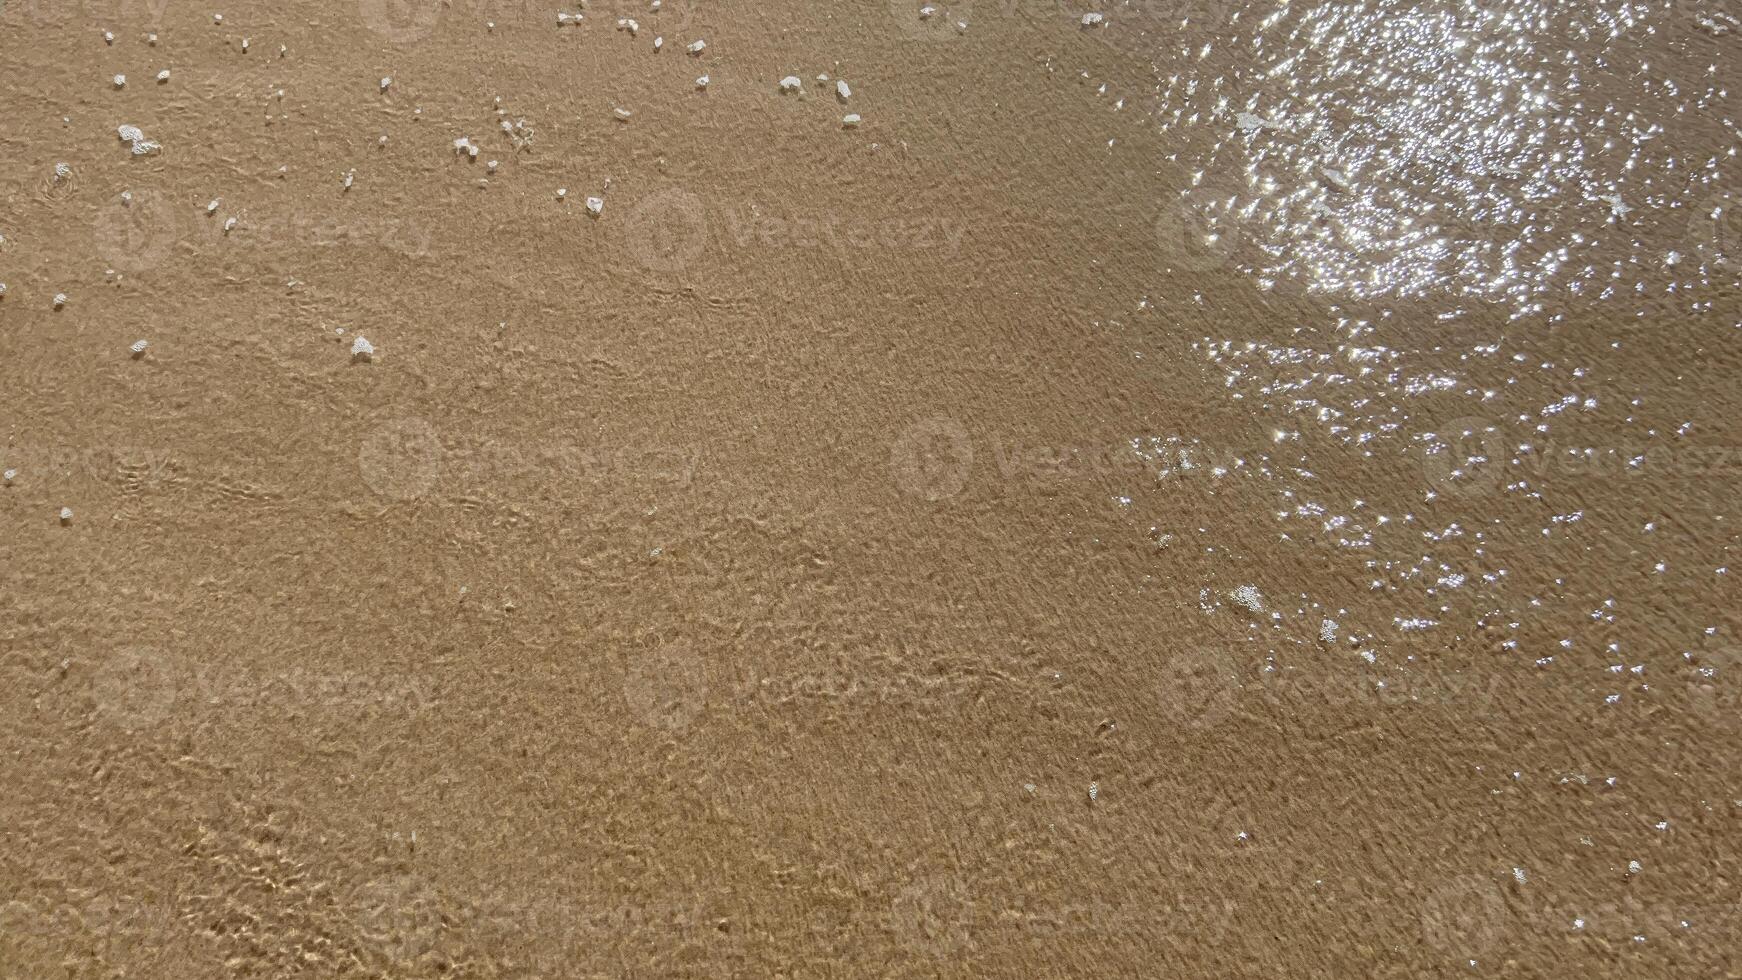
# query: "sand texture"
x,y
1237,490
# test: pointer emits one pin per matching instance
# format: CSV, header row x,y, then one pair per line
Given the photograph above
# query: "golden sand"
x,y
493,490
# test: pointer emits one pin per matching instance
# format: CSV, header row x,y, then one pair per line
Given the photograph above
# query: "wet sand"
x,y
1125,508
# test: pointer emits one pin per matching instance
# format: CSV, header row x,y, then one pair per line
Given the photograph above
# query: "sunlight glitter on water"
x,y
1507,154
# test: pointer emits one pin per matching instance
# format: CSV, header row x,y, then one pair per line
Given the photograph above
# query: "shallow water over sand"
x,y
1230,489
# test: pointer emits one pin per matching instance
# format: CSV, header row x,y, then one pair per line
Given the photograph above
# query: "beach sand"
x,y
1237,490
